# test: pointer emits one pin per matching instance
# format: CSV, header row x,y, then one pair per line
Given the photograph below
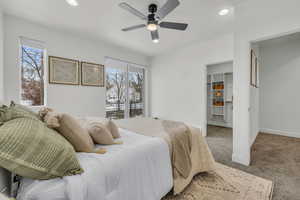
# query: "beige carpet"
x,y
226,184
274,157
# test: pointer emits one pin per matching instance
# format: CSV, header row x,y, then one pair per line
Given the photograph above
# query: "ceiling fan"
x,y
154,18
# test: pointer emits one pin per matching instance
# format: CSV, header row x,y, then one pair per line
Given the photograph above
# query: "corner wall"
x,y
254,102
254,20
4,175
1,57
179,80
280,70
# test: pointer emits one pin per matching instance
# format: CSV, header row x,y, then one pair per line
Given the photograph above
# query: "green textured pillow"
x,y
2,113
15,111
30,149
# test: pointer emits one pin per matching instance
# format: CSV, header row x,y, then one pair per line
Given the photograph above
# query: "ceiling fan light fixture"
x,y
155,41
152,27
72,2
224,12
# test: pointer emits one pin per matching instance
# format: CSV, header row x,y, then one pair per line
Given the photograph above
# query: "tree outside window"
x,y
32,75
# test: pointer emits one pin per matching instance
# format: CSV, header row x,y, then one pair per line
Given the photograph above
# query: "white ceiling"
x,y
103,19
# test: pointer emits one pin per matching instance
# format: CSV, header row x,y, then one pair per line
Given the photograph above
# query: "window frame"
x,y
24,41
145,85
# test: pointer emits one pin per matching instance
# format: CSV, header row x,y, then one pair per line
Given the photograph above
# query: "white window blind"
x,y
32,43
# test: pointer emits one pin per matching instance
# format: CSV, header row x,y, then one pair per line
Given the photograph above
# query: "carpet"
x,y
226,183
274,157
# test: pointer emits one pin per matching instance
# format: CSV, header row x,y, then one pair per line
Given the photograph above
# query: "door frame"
x,y
204,96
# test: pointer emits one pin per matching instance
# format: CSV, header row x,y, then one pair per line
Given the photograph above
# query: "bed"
x,y
139,169
156,157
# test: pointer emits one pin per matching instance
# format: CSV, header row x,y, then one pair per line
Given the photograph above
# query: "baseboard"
x,y
282,133
244,160
226,125
253,139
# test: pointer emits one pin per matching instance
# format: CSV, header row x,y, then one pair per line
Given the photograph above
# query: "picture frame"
x,y
92,74
257,65
253,69
63,71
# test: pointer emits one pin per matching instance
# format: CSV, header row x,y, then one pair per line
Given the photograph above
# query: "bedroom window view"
x,y
32,74
124,91
136,91
115,93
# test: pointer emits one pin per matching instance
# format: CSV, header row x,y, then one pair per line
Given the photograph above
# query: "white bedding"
x,y
139,169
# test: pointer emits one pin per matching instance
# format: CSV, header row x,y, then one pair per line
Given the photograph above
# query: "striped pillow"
x,y
30,149
15,111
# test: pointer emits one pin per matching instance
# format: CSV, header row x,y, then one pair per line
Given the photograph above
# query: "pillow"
x,y
113,129
75,134
1,103
108,123
30,149
50,117
99,133
15,111
2,113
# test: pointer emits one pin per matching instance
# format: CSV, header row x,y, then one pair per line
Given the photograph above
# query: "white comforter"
x,y
139,169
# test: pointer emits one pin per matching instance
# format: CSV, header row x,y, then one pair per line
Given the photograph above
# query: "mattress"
x,y
139,169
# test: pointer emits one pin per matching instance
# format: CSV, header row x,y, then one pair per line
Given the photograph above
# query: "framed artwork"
x,y
257,72
253,69
92,74
63,71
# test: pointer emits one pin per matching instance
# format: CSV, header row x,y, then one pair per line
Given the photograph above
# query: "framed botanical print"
x,y
253,69
257,72
63,71
92,74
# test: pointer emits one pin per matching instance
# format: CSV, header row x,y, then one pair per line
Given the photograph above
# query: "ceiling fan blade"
x,y
155,36
132,10
167,8
134,27
172,25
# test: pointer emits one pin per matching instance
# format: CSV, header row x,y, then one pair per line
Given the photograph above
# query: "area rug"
x,y
226,184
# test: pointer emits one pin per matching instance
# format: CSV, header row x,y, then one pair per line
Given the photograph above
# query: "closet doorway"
x,y
220,109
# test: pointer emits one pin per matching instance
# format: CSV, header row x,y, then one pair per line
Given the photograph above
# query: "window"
x,y
124,89
32,73
136,77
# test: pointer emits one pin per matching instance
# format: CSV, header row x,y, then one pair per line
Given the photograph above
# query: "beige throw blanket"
x,y
189,151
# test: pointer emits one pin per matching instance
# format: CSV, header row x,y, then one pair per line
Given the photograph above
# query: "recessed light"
x,y
224,12
73,2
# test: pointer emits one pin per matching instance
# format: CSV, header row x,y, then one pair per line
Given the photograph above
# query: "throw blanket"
x,y
189,151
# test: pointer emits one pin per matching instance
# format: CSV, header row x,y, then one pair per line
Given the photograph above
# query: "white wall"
x,y
254,103
226,67
1,58
179,80
76,100
254,20
4,175
279,93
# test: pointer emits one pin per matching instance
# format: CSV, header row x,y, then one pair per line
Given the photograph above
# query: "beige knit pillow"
x,y
108,123
75,134
114,130
50,117
99,133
